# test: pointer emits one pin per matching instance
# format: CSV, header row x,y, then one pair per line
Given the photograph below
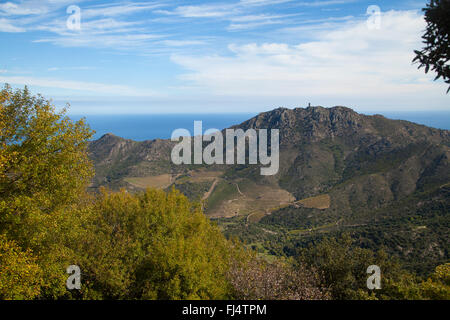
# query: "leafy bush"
x,y
153,245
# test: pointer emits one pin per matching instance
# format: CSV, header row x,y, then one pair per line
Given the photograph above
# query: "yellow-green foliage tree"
x,y
152,245
409,287
44,169
20,276
437,287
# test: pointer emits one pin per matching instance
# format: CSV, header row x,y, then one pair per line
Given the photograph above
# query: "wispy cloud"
x,y
252,25
261,2
347,60
119,42
120,9
202,11
101,25
237,13
242,22
69,68
33,7
12,9
182,43
119,25
317,27
7,25
322,3
84,86
249,50
235,8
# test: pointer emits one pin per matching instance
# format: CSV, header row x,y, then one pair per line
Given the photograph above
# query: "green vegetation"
x,y
195,191
44,172
158,244
436,53
152,245
343,267
19,274
414,230
224,191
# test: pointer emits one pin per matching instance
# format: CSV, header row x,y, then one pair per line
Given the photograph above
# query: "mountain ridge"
x,y
338,169
299,129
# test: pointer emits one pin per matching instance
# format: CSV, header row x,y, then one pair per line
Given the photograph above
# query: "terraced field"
x,y
160,182
244,197
322,202
225,198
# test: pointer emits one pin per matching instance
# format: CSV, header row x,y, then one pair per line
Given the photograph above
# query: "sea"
x,y
153,126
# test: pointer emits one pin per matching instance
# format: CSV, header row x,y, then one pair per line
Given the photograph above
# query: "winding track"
x,y
208,193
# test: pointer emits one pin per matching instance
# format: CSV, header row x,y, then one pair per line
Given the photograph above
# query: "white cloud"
x,y
252,21
7,25
324,3
347,60
99,27
119,42
317,3
204,11
99,33
230,10
99,88
25,15
33,7
243,26
182,43
121,9
69,68
102,26
237,13
261,2
10,9
259,17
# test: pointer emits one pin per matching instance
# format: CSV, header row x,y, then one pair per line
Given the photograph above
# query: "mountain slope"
x,y
339,170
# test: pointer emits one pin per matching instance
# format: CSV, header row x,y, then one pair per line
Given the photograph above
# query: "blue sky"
x,y
218,56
